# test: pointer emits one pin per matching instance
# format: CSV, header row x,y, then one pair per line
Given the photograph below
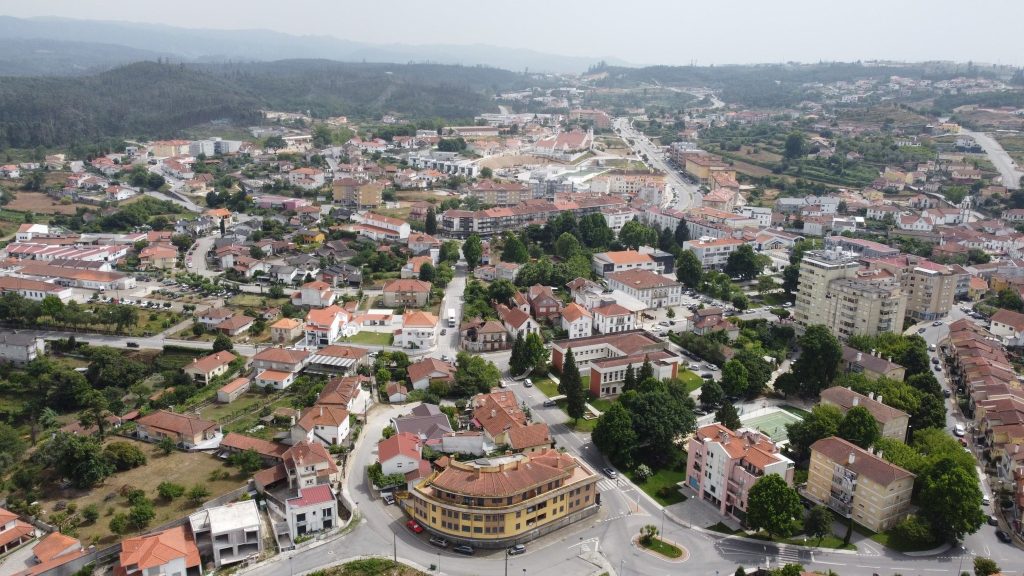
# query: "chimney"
x,y
856,401
859,356
493,413
871,395
879,454
321,409
879,399
851,458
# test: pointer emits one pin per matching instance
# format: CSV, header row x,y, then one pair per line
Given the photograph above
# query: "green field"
x,y
371,338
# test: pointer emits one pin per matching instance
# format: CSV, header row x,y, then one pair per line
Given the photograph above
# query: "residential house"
x,y
407,293
396,392
315,294
870,365
577,321
186,431
213,316
159,257
306,178
654,290
892,423
207,368
606,357
285,330
325,325
235,325
276,379
534,437
322,423
612,318
399,454
425,422
338,359
20,348
709,320
496,413
13,532
282,359
478,335
348,392
419,330
420,243
55,549
428,370
171,551
543,302
858,484
412,267
1008,325
517,322
722,466
380,228
607,262
230,392
231,532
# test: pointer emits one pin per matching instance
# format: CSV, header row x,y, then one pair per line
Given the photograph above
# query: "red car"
x,y
414,526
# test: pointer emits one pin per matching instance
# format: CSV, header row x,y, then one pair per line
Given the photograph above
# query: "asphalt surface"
x,y
1011,175
688,194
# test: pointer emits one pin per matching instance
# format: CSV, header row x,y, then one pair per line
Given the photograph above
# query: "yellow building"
x,y
858,484
497,502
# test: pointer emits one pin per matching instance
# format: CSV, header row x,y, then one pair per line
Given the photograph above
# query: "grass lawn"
x,y
547,386
830,541
886,539
661,547
185,468
795,411
371,338
691,380
222,413
602,404
663,486
255,301
775,299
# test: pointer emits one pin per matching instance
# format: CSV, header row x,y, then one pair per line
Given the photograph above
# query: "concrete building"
x,y
930,288
20,348
408,293
1008,325
612,318
577,321
722,466
231,532
858,484
892,423
205,369
605,357
184,431
498,502
654,290
713,252
871,366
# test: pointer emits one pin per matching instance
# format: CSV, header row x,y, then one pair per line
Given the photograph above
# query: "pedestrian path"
x,y
606,485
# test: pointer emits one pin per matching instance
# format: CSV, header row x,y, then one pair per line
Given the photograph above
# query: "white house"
x,y
325,325
378,227
328,425
275,379
233,531
613,318
712,252
419,330
20,348
577,321
399,454
316,294
315,509
654,290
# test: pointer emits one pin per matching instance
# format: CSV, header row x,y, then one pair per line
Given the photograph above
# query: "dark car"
x,y
1003,537
938,368
921,330
132,344
992,521
935,360
707,376
550,403
946,393
463,549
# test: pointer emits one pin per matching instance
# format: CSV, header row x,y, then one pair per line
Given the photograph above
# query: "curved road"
x,y
1000,159
688,194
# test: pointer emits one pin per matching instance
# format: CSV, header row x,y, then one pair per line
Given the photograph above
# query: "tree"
x,y
822,422
119,523
727,416
518,362
765,285
514,250
859,427
475,374
501,291
486,172
791,278
614,436
985,566
648,533
682,233
794,146
951,500
689,271
80,459
646,371
427,272
222,343
634,235
572,386
536,353
141,514
248,461
1009,299
744,263
711,394
734,379
275,143
430,224
169,490
567,246
196,494
91,513
818,522
819,360
629,382
166,445
473,250
659,418
124,456
95,411
594,231
449,251
773,506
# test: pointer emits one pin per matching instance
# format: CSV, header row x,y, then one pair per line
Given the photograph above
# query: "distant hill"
x,y
247,45
149,99
35,57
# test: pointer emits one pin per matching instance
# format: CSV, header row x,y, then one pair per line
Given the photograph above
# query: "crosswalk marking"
x,y
606,485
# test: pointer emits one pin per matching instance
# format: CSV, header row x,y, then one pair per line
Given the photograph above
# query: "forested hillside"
x,y
149,99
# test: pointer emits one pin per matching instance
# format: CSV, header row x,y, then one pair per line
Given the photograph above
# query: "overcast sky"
x,y
638,31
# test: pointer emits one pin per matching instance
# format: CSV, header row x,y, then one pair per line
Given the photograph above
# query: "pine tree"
x,y
576,400
646,370
430,225
518,362
630,382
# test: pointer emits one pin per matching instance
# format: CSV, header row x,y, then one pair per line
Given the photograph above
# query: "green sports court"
x,y
772,423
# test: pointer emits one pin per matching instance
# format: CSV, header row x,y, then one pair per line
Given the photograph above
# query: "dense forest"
x,y
150,99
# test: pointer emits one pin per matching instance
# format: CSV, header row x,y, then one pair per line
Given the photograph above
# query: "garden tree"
x,y
486,172
791,278
819,360
822,422
247,461
166,445
119,523
859,427
124,456
951,500
537,272
78,458
94,411
430,223
773,506
518,363
449,251
925,383
141,514
12,447
567,246
634,235
474,374
110,368
789,569
575,396
275,143
818,523
648,533
711,395
501,291
727,416
659,417
985,566
689,271
276,291
931,413
765,285
646,370
682,232
594,231
196,494
1009,299
667,241
514,250
536,353
443,274
614,436
91,513
222,342
734,379
794,147
382,377
169,490
744,263
759,371
427,272
473,250
629,380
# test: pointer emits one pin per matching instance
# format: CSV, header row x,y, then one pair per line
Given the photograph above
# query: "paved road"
x,y
448,343
999,158
688,194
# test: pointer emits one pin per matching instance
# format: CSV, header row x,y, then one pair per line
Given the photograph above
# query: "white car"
x,y
959,429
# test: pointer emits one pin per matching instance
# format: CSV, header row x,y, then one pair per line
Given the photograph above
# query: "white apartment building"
x,y
713,252
654,290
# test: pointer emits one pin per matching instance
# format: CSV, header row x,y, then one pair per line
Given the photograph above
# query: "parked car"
x,y
694,367
414,526
1003,537
946,393
463,549
993,521
921,330
959,429
516,550
438,541
610,472
549,403
388,498
937,323
132,344
528,383
707,376
444,331
935,360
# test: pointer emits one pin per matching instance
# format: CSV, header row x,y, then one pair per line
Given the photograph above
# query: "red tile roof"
x,y
312,495
401,444
158,549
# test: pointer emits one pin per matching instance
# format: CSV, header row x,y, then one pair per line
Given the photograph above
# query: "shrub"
x,y
124,456
913,531
136,496
643,473
91,513
197,493
170,490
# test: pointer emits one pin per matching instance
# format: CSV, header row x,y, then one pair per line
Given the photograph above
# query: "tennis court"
x,y
773,423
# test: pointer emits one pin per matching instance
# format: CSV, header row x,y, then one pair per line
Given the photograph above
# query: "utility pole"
x,y
394,545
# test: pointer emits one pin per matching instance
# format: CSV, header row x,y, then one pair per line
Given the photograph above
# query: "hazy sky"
x,y
638,31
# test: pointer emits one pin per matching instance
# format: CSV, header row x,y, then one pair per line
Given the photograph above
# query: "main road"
x,y
687,194
1000,159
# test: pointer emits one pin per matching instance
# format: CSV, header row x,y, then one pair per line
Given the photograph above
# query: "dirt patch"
x,y
750,169
185,468
39,203
495,162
